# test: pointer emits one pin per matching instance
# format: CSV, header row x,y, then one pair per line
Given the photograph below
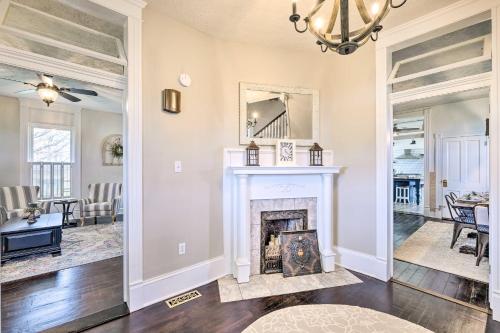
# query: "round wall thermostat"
x,y
185,79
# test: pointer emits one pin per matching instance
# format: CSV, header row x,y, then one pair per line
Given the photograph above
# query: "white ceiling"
x,y
108,99
266,22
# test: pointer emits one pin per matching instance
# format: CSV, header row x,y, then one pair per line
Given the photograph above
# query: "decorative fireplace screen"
x,y
272,224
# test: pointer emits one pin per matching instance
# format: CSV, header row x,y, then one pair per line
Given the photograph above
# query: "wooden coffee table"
x,y
21,239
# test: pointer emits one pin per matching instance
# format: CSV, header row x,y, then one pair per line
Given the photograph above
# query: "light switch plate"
x,y
182,249
178,166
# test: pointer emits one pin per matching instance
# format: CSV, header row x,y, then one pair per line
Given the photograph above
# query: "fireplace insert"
x,y
272,224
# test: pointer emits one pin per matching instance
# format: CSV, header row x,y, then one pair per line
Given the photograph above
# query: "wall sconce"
x,y
171,100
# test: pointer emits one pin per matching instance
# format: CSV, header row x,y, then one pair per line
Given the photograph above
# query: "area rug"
x,y
79,246
429,246
275,284
331,318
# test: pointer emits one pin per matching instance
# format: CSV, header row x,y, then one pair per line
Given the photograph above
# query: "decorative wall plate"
x,y
110,148
300,253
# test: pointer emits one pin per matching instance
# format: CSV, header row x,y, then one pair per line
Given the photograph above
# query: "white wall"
x,y
96,126
9,141
462,118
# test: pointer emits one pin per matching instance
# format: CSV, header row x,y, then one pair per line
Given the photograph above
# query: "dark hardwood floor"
x,y
208,314
45,301
443,283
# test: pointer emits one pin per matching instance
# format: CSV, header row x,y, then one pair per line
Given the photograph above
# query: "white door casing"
x,y
397,38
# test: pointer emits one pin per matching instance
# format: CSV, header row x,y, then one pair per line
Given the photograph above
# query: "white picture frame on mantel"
x,y
286,153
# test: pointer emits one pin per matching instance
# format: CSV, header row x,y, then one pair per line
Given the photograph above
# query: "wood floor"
x,y
45,301
208,314
450,285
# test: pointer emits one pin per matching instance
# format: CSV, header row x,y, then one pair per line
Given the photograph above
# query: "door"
x,y
464,167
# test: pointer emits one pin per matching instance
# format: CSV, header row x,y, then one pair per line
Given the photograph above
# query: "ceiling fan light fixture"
x,y
47,93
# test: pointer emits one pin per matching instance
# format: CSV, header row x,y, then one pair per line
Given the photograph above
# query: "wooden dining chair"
x,y
463,218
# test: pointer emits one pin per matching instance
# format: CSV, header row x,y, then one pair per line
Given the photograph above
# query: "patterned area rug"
x,y
429,246
330,318
275,284
79,246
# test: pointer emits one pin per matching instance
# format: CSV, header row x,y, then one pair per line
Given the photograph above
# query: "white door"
x,y
464,167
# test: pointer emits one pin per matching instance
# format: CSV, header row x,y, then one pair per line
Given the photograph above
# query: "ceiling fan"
x,y
49,92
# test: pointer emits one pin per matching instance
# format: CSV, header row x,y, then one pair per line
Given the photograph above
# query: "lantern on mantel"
x,y
316,155
252,154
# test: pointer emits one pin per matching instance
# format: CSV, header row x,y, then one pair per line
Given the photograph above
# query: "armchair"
x,y
103,200
14,200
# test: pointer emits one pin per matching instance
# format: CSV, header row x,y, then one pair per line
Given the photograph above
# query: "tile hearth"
x,y
275,284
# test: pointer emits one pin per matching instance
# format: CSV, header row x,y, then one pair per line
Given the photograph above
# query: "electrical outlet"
x,y
182,249
178,166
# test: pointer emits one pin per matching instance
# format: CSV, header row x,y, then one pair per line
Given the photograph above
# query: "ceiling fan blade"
x,y
5,78
47,79
80,91
25,92
69,97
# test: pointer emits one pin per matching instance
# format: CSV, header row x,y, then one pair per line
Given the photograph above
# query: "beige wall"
x,y
95,127
180,207
187,206
461,118
9,141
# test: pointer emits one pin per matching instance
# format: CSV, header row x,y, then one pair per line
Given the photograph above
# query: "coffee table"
x,y
21,239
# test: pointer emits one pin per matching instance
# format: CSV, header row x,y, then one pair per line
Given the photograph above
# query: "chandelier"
x,y
347,41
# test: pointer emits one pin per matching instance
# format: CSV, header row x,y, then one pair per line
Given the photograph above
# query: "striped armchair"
x,y
103,200
15,199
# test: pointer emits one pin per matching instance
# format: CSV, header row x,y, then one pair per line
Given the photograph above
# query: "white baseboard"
x,y
362,263
162,287
495,304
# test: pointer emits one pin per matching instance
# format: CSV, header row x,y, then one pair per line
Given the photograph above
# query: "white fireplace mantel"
x,y
275,170
244,184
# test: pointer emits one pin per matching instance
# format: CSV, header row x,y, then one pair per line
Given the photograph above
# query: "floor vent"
x,y
181,299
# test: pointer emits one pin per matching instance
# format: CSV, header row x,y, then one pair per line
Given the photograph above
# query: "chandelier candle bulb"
x,y
348,40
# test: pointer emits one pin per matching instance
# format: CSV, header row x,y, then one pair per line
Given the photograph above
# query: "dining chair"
x,y
463,217
454,196
481,215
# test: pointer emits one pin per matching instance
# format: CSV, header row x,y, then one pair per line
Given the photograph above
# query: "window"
x,y
50,156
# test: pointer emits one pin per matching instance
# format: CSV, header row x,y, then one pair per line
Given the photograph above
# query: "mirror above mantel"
x,y
269,113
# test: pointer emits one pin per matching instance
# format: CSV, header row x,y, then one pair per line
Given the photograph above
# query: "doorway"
x,y
87,275
415,67
440,155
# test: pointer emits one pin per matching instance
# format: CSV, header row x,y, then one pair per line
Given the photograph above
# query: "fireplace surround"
x,y
246,186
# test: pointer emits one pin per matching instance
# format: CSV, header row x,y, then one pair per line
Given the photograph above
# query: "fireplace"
x,y
272,224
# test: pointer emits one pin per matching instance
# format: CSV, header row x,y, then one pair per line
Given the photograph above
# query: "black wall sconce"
x,y
171,100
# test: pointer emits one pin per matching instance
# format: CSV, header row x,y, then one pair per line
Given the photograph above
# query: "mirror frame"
x,y
244,140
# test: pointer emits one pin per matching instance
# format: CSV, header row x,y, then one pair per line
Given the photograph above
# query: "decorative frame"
x,y
286,153
107,156
244,140
300,253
